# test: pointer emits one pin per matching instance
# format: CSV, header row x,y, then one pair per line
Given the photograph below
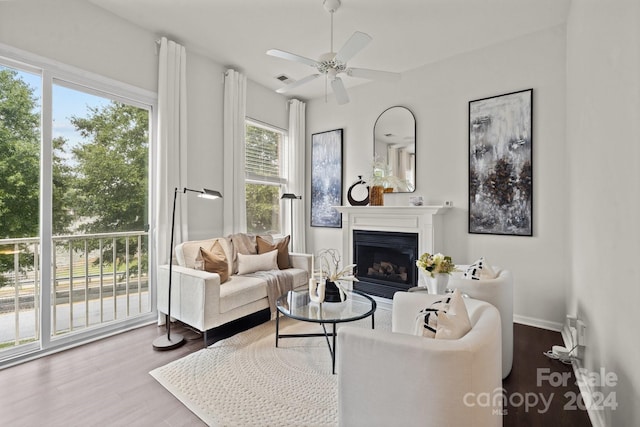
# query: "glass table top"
x,y
298,305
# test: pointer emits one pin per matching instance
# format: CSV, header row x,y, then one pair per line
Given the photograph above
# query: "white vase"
x,y
437,284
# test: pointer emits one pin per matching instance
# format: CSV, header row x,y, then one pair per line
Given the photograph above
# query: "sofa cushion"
x,y
215,261
241,290
252,263
187,252
282,246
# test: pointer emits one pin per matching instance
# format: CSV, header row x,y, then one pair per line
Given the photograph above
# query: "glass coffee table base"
x,y
330,343
297,305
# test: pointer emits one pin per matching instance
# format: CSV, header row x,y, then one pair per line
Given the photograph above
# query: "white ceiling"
x,y
406,33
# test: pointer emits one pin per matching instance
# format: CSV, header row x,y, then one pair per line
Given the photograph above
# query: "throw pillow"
x,y
242,243
444,319
215,261
281,246
427,319
479,270
454,323
262,262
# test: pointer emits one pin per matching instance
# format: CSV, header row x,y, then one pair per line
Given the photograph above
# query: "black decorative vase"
x,y
331,292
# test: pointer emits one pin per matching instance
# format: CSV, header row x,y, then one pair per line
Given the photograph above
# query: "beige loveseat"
x,y
201,301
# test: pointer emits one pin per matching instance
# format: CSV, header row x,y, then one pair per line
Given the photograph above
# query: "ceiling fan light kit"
x,y
331,64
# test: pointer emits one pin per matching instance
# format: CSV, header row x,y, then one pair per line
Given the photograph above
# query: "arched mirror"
x,y
394,150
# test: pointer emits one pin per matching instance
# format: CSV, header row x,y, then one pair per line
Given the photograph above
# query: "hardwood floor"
x,y
533,376
106,383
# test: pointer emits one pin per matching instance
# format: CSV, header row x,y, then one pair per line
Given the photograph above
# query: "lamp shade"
x,y
210,194
290,196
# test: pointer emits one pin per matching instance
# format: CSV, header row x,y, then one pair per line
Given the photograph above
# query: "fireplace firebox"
x,y
385,261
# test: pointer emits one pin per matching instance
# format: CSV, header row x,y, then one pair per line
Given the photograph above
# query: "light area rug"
x,y
246,381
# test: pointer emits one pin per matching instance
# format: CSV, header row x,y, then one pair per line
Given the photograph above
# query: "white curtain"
x,y
235,87
297,172
171,156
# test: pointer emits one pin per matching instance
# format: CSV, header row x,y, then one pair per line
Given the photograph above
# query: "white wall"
x,y
79,34
603,116
438,95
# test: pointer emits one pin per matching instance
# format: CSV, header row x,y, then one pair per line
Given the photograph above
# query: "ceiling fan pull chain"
x,y
326,88
331,50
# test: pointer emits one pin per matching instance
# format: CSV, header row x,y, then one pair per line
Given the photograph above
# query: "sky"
x,y
66,103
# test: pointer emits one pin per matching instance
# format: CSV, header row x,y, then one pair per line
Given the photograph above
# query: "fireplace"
x,y
385,261
424,223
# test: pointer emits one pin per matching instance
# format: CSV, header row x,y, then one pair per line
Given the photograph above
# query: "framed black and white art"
x,y
500,164
326,178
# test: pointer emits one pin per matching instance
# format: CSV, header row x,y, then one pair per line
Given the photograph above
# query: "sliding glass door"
x,y
74,208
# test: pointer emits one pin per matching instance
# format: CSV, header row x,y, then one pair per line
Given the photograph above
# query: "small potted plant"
x,y
330,270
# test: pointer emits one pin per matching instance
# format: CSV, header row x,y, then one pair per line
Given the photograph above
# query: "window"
x,y
74,157
266,175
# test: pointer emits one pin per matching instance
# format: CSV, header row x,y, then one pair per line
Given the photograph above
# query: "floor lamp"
x,y
169,342
291,197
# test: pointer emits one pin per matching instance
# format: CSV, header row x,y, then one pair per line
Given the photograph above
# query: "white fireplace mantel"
x,y
426,221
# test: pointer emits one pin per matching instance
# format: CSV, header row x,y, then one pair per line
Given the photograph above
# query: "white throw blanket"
x,y
279,282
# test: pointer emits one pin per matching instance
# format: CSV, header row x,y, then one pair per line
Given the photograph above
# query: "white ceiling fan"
x,y
331,64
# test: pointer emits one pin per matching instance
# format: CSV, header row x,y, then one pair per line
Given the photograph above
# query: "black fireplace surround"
x,y
385,261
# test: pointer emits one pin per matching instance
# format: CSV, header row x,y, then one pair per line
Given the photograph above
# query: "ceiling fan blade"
x,y
342,97
292,57
365,73
355,44
297,83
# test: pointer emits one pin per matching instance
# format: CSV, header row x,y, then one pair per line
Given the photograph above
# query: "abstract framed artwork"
x,y
326,178
500,164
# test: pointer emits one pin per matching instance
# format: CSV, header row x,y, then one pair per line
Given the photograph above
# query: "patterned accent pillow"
x,y
427,318
445,319
479,270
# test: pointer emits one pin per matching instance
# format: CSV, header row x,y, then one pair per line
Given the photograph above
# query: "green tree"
x,y
19,157
261,216
110,184
111,181
19,167
62,187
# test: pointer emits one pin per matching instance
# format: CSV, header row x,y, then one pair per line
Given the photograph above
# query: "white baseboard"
x,y
538,323
596,417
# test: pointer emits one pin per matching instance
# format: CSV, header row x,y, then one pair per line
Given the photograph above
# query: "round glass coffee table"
x,y
297,305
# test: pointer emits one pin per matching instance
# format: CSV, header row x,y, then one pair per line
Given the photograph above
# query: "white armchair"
x,y
397,378
499,292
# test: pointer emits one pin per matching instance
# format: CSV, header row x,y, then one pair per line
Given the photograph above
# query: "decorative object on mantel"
x,y
333,275
357,188
434,271
500,164
416,200
376,195
326,178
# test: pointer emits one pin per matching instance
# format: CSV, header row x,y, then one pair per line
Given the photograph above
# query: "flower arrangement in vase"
x,y
435,269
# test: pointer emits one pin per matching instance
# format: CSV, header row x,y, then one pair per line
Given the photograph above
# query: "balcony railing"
x,y
97,278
